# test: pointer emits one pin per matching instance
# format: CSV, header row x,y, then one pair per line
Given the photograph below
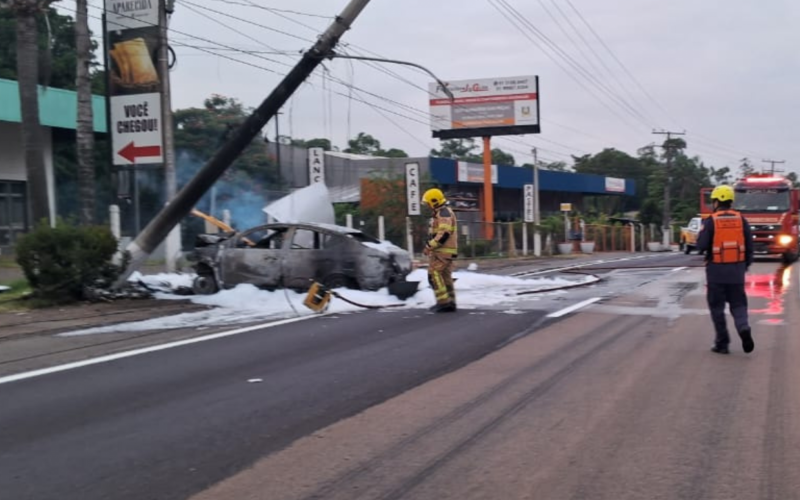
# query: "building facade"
x,y
57,110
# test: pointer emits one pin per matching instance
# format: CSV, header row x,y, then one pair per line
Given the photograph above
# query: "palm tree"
x,y
85,126
26,12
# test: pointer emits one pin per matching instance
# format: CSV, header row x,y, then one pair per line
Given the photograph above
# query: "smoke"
x,y
237,192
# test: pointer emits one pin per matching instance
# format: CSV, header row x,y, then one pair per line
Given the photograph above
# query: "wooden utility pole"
x,y
772,165
667,238
185,200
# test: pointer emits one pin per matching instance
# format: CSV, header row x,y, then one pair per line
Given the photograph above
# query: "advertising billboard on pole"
x,y
134,102
485,107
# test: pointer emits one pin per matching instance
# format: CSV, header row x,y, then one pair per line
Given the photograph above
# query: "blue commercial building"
x,y
463,182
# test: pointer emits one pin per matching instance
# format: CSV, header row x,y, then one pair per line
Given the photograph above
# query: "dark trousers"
x,y
718,295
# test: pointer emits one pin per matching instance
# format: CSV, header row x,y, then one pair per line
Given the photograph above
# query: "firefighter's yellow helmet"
x,y
722,193
434,198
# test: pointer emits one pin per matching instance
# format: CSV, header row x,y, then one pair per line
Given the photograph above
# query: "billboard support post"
x,y
488,191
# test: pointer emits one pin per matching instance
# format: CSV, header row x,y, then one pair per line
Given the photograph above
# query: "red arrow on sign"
x,y
131,152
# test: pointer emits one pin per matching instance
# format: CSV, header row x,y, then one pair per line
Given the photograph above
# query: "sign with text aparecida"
x,y
134,83
485,107
412,189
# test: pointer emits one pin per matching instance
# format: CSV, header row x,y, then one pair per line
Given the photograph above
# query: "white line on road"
x,y
574,307
144,350
679,269
523,274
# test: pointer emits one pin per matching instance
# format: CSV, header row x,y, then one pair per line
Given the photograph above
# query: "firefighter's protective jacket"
x,y
443,237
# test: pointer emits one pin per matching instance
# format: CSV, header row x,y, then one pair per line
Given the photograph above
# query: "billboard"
x,y
473,172
615,185
134,84
485,107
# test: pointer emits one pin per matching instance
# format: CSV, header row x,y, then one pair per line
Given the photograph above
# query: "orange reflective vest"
x,y
728,246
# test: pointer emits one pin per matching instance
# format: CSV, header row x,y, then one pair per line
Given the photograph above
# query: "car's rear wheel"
x,y
687,249
205,284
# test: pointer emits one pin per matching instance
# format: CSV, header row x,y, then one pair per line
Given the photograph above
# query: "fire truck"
x,y
771,206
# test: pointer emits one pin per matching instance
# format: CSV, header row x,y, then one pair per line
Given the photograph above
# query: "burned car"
x,y
294,255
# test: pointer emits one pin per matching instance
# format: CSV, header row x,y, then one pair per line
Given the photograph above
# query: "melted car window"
x,y
305,239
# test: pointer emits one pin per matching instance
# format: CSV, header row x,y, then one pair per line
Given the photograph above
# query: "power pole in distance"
x,y
773,162
667,215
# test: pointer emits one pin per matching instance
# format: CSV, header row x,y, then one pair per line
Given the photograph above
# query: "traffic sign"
x,y
528,198
136,132
566,207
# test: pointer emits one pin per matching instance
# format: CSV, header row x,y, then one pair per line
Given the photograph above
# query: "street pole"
x,y
773,162
190,194
488,191
667,236
173,243
537,236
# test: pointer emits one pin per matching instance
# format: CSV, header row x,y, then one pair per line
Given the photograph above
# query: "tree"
x,y
365,144
792,176
85,125
720,175
500,157
61,70
312,143
200,131
458,149
26,13
746,167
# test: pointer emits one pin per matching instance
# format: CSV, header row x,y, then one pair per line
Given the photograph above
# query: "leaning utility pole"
x,y
184,201
667,237
773,162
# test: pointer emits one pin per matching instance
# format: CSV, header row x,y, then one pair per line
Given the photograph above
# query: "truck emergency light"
x,y
764,179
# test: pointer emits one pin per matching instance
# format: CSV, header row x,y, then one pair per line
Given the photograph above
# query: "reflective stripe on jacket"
x,y
728,246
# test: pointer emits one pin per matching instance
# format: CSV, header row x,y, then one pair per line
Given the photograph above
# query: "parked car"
x,y
284,255
689,235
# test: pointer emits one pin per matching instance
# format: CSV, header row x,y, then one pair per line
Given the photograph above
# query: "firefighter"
x,y
726,240
441,249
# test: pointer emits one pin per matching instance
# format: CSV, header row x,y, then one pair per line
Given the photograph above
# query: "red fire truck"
x,y
771,206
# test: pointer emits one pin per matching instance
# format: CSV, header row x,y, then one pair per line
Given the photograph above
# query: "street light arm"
x,y
394,61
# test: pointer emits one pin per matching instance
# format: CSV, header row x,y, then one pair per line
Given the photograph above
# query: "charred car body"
x,y
294,255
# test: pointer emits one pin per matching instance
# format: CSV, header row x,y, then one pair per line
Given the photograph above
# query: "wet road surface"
x,y
617,399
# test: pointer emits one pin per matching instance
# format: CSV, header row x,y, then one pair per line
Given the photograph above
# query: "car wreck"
x,y
295,255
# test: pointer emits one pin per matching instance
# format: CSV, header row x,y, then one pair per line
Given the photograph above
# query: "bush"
x,y
61,262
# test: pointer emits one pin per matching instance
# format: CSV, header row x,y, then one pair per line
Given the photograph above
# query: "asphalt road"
x,y
618,400
170,423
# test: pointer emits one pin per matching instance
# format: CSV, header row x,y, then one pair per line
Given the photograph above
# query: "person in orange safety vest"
x,y
727,242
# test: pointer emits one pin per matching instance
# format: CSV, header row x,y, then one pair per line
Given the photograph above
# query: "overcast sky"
x,y
726,71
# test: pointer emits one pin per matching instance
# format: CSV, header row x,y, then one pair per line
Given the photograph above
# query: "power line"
x,y
286,33
517,24
624,105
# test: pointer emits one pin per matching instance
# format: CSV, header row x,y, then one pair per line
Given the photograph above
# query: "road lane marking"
x,y
679,269
574,307
144,350
523,274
